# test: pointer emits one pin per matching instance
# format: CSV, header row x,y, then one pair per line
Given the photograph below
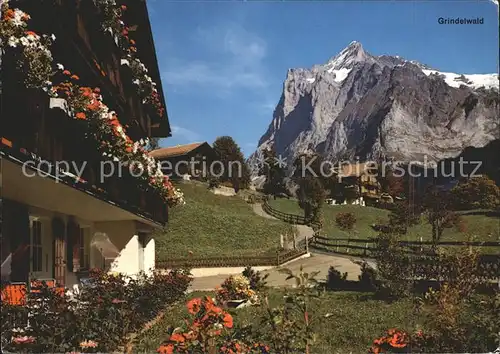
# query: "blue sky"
x,y
223,62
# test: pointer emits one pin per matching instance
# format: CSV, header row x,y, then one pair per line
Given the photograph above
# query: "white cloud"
x,y
184,133
239,64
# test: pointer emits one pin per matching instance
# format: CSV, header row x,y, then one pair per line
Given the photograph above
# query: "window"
x,y
36,246
83,251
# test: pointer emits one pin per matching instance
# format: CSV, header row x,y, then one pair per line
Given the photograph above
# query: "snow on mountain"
x,y
358,104
472,80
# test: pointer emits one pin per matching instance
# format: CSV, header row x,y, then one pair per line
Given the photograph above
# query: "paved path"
x,y
303,231
317,262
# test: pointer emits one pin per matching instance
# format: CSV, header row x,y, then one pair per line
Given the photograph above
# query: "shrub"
x,y
476,193
457,318
208,324
368,278
97,319
213,182
257,282
345,221
286,329
236,288
335,279
403,216
393,268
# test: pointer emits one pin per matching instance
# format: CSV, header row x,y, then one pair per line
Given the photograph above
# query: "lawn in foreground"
x,y
214,225
480,227
344,321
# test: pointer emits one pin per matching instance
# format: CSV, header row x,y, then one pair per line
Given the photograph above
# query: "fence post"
x,y
347,247
366,248
337,245
294,241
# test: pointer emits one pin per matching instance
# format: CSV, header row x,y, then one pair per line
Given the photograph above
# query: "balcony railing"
x,y
127,191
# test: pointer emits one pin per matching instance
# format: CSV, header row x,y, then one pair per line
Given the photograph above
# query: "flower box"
x,y
237,304
60,103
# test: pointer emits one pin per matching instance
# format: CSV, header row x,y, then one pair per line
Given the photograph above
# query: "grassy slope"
x,y
484,228
213,225
354,320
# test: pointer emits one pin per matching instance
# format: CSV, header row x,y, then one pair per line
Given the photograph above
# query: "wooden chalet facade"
x,y
356,185
176,160
58,229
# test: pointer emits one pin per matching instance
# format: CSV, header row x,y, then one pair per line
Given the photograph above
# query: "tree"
x,y
389,183
274,173
233,166
311,192
311,195
154,143
476,193
402,216
345,221
395,185
439,215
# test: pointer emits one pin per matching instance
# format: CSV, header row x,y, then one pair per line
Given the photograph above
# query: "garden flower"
x,y
166,349
176,337
88,344
194,306
81,115
398,340
23,340
228,321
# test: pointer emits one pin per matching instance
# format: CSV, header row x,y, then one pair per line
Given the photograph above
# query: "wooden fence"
x,y
367,246
277,259
288,218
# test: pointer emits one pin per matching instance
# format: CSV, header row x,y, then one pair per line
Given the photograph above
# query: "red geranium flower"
x,y
228,321
166,349
176,337
194,306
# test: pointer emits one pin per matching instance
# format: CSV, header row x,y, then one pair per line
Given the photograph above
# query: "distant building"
x,y
187,161
357,184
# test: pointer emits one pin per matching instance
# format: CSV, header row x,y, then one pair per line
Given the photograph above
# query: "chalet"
x,y
186,161
357,184
58,220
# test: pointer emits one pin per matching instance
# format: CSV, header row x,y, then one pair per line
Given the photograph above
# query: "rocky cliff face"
x,y
358,104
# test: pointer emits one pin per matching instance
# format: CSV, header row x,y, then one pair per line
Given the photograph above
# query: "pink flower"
x,y
23,340
117,301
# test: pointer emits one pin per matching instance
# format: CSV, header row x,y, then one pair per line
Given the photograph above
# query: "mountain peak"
x,y
349,56
355,44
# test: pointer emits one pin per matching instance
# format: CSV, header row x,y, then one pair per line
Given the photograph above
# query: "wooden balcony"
x,y
43,134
